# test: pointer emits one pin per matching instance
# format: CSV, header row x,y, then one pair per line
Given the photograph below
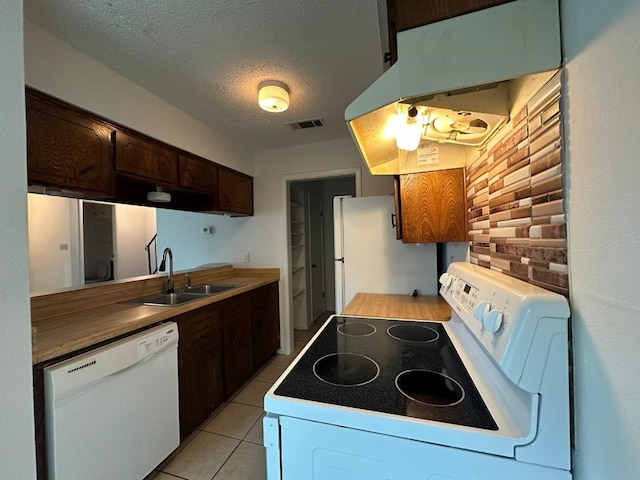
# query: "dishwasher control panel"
x,y
151,343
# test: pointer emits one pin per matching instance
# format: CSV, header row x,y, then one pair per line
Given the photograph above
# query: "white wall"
x,y
602,110
134,227
55,67
50,228
181,231
17,455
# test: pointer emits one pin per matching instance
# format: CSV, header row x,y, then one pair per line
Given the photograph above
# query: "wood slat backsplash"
x,y
517,221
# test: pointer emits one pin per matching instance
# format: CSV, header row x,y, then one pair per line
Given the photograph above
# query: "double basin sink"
x,y
185,295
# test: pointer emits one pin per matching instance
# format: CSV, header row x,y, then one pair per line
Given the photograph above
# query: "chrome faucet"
x,y
188,275
163,266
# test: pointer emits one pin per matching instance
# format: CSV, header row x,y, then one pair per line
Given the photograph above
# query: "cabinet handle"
x,y
393,220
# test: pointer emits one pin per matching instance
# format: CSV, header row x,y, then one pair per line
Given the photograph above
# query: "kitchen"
x,y
599,194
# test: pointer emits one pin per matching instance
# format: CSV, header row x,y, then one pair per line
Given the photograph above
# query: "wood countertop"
x,y
399,306
69,321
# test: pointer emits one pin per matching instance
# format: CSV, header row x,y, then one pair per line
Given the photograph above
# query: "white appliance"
x,y
368,256
484,396
457,65
112,413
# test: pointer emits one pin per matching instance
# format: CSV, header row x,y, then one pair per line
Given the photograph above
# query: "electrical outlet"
x,y
246,258
207,231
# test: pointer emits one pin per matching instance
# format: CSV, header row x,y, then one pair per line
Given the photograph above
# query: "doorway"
x,y
311,251
98,242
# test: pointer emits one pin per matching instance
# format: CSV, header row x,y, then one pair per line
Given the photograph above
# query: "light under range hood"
x,y
456,73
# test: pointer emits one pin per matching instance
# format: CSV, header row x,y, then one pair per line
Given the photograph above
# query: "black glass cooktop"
x,y
398,367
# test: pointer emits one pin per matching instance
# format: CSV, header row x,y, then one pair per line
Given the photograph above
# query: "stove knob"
x,y
481,310
445,280
493,321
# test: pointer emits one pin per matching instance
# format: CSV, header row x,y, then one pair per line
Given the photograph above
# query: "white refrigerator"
x,y
369,258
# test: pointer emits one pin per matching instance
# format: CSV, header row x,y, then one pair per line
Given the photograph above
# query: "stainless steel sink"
x,y
171,299
185,295
208,288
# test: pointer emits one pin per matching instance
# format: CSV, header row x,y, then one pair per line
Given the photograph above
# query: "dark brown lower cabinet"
x,y
38,411
265,318
200,366
238,345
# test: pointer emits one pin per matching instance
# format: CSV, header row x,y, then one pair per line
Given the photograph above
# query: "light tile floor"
x,y
228,445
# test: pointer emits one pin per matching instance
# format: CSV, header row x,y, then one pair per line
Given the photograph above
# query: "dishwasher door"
x,y
112,413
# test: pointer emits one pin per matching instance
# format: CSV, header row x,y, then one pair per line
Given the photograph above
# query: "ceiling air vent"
x,y
302,124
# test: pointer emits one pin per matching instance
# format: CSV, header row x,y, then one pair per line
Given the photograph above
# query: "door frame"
x,y
286,325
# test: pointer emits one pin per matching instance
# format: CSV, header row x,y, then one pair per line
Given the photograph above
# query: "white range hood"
x,y
456,73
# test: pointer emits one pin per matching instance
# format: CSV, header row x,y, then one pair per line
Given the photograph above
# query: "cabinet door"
x,y
200,366
146,158
238,343
265,317
433,206
67,148
235,191
201,381
197,174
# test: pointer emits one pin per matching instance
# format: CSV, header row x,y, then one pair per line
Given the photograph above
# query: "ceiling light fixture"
x,y
273,96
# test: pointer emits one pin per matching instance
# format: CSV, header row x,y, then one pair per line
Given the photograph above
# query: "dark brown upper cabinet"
x,y
433,206
146,158
88,156
406,14
68,148
235,192
197,174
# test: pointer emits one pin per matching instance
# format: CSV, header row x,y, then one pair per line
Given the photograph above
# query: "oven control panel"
x,y
502,313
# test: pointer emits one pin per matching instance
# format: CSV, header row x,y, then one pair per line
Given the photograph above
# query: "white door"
x,y
316,256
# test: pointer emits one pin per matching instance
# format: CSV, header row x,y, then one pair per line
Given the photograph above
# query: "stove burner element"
x,y
430,388
413,333
346,369
356,329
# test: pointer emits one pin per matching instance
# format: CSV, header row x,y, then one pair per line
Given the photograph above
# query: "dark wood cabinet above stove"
x,y
431,206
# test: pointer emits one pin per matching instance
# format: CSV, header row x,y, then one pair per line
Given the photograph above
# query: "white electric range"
x,y
482,396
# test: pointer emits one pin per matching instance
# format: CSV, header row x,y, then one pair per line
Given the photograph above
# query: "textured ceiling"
x,y
208,57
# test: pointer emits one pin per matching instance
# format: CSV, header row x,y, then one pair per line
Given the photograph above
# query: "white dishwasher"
x,y
112,413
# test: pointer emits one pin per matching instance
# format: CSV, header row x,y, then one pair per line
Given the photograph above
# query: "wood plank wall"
x,y
517,222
